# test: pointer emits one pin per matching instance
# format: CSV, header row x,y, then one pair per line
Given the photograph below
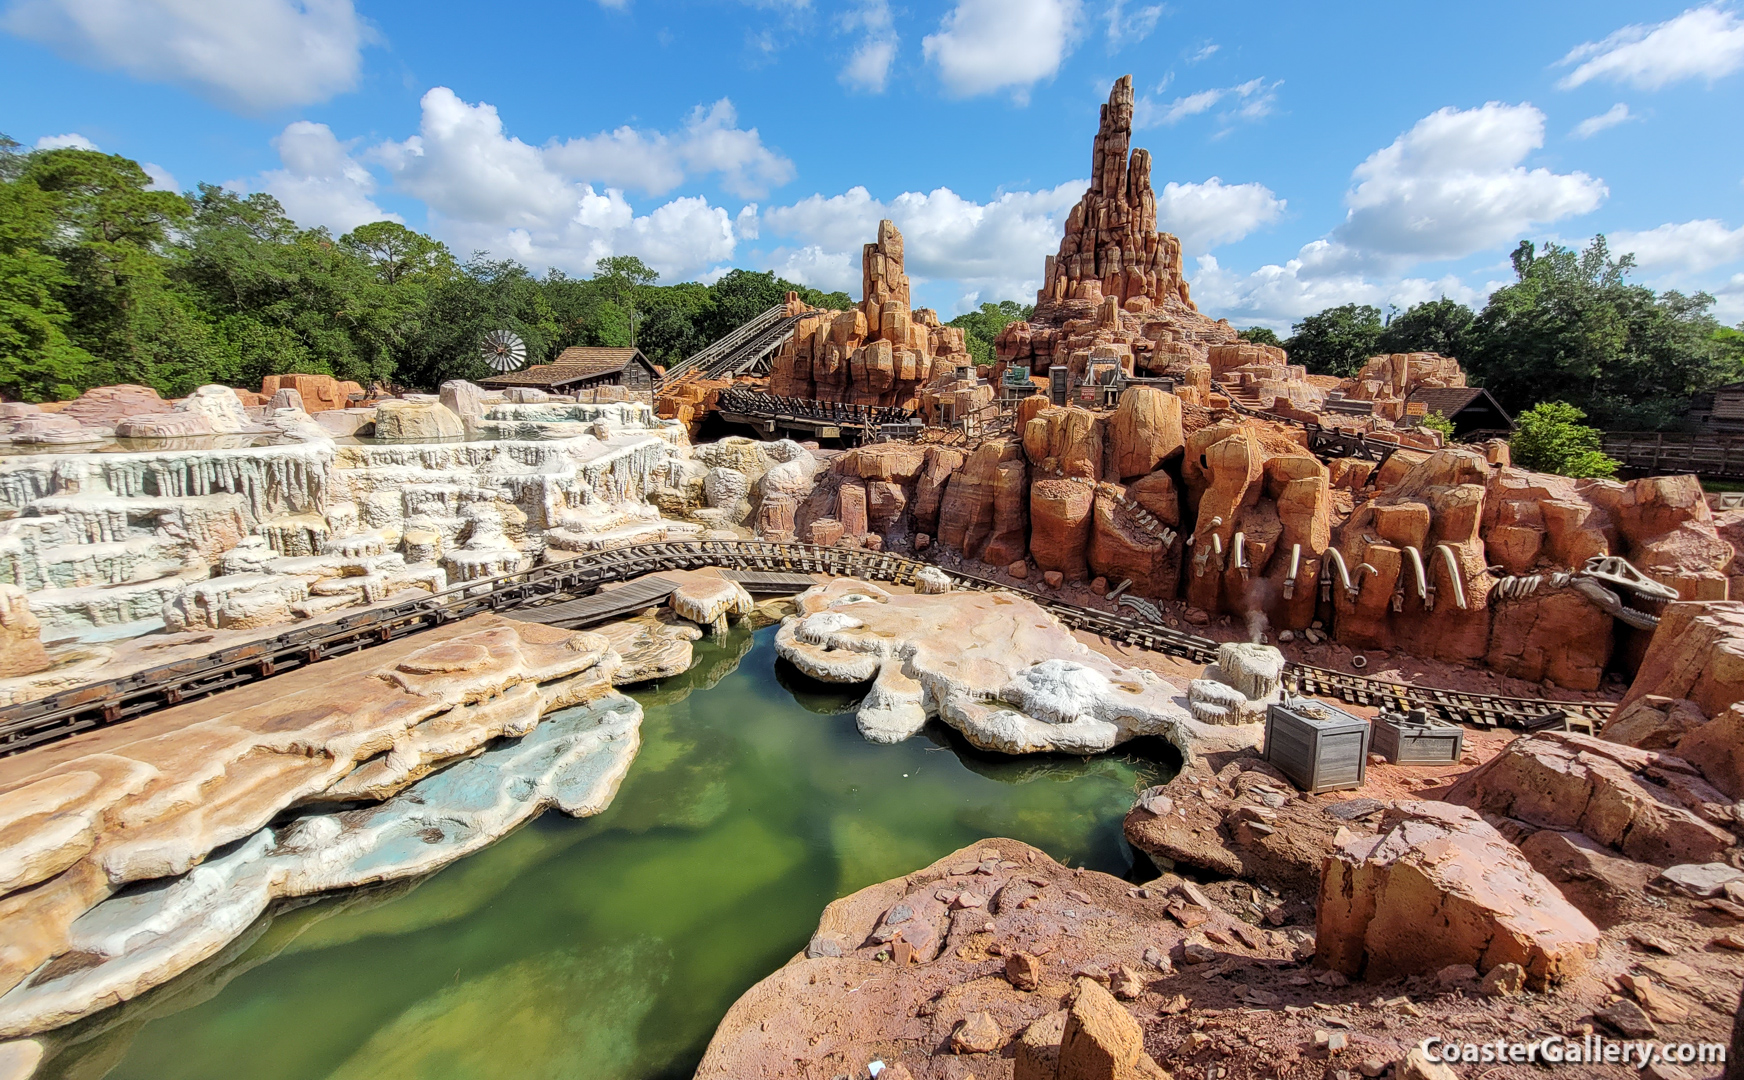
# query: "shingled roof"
x,y
574,364
1451,400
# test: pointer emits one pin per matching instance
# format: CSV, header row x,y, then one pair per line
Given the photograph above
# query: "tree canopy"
x,y
1338,340
104,279
1573,328
981,326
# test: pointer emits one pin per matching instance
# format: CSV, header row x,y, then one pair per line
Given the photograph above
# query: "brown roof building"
x,y
581,367
1471,408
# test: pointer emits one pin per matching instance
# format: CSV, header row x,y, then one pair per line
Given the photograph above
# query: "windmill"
x,y
503,350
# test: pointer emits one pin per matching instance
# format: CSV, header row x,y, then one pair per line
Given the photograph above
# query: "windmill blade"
x,y
503,350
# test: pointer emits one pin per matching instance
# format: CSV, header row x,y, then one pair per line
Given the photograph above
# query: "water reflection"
x,y
610,947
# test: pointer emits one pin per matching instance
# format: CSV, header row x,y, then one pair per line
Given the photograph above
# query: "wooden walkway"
x,y
770,583
639,595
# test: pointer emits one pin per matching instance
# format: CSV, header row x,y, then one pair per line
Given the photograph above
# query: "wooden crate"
x,y
1318,747
1416,738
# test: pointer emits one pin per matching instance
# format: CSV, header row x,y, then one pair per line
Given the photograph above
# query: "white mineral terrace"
x,y
116,544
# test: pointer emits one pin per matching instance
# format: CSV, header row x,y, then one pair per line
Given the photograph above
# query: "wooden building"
x,y
1720,410
579,368
1471,408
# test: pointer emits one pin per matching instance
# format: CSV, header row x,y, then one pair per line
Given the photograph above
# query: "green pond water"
x,y
610,947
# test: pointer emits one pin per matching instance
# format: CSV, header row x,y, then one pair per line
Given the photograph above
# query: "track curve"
x,y
93,705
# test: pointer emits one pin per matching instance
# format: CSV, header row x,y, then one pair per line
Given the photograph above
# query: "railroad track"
x,y
83,708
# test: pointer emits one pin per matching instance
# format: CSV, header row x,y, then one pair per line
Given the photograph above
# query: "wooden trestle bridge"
x,y
772,413
1716,457
549,593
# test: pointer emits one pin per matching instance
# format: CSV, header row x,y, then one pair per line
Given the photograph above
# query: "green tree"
x,y
670,329
1338,340
1551,438
1261,335
982,326
624,278
398,253
1437,326
37,360
286,299
741,295
111,235
1437,422
1573,328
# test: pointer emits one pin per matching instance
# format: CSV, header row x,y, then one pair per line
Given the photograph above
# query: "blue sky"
x,y
1308,155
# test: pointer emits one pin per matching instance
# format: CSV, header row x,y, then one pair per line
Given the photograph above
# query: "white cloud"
x,y
1206,215
987,45
321,183
1250,100
1277,295
869,68
1610,118
1454,185
1125,29
711,142
1702,43
1688,246
1729,301
246,54
487,190
1204,52
996,248
72,140
161,178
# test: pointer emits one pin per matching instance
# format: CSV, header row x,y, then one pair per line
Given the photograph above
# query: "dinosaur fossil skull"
x,y
1605,580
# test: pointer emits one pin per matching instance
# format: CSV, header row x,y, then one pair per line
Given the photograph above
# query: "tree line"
x,y
1571,328
104,280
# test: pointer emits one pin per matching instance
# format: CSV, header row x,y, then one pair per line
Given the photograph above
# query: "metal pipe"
x,y
1452,562
1335,560
1295,565
1416,559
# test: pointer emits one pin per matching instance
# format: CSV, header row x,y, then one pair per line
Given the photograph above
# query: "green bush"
x,y
1551,438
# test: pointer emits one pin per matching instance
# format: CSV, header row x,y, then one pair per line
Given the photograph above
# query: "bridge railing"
x,y
1719,456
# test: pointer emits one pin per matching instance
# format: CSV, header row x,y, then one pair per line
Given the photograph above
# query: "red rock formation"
x,y
1697,653
1059,520
1388,380
1629,800
1439,886
1144,430
880,353
105,406
319,392
1432,511
1115,289
985,509
21,651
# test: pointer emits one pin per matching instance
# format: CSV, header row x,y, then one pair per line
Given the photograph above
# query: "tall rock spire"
x,y
1112,246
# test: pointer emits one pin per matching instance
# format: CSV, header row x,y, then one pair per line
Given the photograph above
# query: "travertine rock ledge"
x,y
995,666
105,887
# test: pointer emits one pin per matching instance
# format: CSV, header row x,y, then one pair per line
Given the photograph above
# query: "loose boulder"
x,y
1439,886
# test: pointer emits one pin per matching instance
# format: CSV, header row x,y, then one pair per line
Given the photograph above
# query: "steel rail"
x,y
83,708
